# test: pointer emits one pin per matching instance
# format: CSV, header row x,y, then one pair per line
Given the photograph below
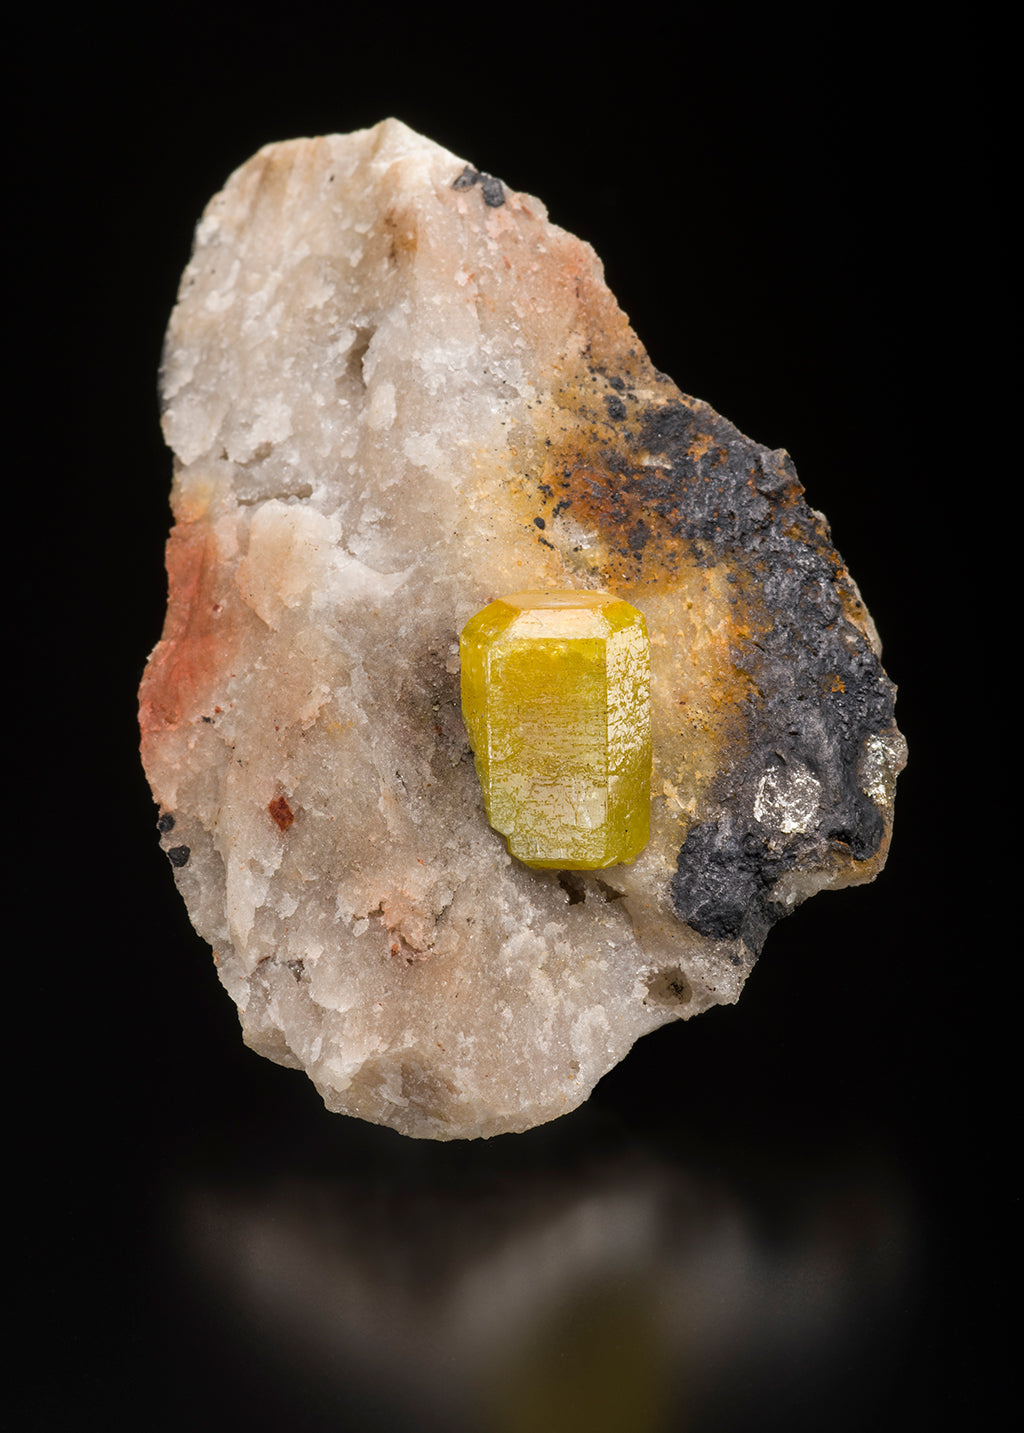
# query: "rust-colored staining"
x,y
651,494
403,234
401,950
201,633
585,471
701,445
607,453
851,602
281,813
606,465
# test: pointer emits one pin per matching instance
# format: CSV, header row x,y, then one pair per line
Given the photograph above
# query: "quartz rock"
x,y
395,391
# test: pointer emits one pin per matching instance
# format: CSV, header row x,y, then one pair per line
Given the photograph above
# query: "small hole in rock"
x,y
669,987
609,892
356,354
572,884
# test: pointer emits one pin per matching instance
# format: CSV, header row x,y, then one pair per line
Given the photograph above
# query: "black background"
x,y
801,222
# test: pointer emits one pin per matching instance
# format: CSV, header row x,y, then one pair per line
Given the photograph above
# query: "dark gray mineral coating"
x,y
656,477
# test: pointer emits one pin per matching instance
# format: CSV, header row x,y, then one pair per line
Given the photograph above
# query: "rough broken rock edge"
x,y
393,391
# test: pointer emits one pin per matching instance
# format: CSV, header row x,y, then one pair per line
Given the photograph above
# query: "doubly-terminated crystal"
x,y
556,700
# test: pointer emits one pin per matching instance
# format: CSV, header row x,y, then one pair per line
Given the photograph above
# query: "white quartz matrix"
x,y
380,367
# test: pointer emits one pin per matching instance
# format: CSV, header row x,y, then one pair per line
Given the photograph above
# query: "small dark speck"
x,y
493,192
178,855
616,407
164,822
206,718
539,522
467,178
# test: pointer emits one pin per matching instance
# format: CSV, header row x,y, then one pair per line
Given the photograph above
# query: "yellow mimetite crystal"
x,y
556,696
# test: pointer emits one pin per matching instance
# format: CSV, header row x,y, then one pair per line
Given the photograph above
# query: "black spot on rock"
x,y
711,496
491,189
165,822
638,536
863,828
178,856
721,884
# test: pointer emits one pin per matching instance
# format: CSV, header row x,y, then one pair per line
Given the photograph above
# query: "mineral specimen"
x,y
556,697
394,391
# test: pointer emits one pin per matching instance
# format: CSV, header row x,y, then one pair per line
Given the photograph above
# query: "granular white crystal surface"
x,y
394,391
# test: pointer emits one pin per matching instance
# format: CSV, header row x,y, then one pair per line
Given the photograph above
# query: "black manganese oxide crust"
x,y
492,189
816,689
177,855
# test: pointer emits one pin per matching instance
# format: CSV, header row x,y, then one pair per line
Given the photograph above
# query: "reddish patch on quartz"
x,y
199,637
281,813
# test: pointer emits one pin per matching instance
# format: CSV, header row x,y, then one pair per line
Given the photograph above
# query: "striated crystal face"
x,y
556,700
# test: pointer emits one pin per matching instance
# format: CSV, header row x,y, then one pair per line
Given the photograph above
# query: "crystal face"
x,y
556,700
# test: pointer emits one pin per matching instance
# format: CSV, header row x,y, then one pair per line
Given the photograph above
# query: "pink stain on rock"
x,y
200,634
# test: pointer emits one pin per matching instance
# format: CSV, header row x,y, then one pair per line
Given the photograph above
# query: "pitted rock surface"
x,y
395,391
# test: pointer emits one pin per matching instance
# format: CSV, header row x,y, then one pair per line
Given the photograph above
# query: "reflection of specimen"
x,y
615,1282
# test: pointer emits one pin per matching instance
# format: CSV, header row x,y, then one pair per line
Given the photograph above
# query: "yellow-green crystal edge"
x,y
560,727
